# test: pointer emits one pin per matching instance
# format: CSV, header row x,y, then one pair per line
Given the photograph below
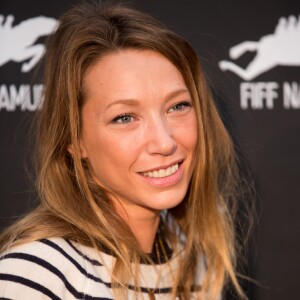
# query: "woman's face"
x,y
139,130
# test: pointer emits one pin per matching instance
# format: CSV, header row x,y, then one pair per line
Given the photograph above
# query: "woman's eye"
x,y
123,119
180,106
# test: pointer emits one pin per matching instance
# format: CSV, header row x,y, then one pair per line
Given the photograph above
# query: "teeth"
x,y
162,172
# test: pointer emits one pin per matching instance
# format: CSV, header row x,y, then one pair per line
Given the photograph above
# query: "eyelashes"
x,y
127,118
123,119
180,106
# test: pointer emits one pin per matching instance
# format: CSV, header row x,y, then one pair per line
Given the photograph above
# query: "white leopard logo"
x,y
17,43
281,48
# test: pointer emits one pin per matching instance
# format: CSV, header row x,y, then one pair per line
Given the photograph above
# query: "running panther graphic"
x,y
281,48
17,43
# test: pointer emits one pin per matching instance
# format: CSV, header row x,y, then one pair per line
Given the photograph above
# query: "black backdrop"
x,y
260,106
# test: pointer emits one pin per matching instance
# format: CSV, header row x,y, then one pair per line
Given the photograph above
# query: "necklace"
x,y
160,245
151,294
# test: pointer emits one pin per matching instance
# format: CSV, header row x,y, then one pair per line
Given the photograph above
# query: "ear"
x,y
82,150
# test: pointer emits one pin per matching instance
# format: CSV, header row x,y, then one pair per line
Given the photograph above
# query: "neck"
x,y
145,231
143,224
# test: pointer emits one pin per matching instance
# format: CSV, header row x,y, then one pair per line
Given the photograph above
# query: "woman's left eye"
x,y
123,119
180,106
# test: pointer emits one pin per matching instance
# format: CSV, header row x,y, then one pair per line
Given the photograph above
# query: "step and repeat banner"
x,y
251,54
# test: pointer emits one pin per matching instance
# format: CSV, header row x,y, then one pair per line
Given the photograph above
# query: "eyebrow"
x,y
176,93
135,102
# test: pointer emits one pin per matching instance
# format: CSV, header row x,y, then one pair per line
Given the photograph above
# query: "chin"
x,y
163,203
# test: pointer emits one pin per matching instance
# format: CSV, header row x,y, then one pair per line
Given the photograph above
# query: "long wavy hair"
x,y
73,206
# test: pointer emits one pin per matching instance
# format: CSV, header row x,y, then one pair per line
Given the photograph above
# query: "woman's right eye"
x,y
123,119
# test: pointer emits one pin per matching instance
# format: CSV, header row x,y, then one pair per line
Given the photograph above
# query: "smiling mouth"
x,y
162,172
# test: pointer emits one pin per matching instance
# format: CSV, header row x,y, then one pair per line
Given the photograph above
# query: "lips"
x,y
160,173
164,176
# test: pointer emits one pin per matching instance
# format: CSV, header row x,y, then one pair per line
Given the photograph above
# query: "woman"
x,y
135,170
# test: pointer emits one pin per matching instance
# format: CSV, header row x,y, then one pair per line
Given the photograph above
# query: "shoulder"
x,y
52,269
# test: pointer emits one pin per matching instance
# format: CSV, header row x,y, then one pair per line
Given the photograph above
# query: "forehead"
x,y
131,71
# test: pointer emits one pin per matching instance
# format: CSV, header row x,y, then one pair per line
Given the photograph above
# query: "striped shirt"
x,y
60,269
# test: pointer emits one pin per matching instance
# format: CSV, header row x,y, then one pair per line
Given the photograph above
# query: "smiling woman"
x,y
148,124
135,170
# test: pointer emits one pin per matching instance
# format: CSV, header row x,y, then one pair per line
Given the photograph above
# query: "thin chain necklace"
x,y
151,291
151,294
159,245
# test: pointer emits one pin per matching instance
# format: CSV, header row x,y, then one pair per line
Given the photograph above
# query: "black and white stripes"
x,y
60,269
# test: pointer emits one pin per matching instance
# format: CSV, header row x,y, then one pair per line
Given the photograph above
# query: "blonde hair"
x,y
74,207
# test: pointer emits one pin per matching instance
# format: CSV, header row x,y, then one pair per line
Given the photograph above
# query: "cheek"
x,y
188,133
105,149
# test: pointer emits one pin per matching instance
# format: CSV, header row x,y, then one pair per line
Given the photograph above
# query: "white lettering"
x,y
245,91
26,97
38,96
258,95
18,98
271,94
291,95
4,98
33,103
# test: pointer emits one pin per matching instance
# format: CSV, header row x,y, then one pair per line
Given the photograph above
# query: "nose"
x,y
160,138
